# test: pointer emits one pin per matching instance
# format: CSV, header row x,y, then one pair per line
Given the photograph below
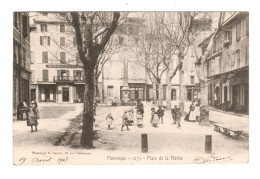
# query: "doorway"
x,y
65,95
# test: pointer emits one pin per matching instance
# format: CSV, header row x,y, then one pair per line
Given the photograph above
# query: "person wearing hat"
x,y
125,120
160,113
173,111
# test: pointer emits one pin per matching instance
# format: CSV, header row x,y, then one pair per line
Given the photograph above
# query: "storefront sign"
x,y
64,66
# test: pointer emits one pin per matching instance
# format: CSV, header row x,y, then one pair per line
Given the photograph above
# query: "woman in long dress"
x,y
191,116
32,119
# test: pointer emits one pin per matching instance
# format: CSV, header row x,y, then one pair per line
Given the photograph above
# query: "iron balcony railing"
x,y
68,78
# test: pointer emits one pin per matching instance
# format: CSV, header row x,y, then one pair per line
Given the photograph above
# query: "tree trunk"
x,y
182,91
154,93
88,118
168,92
160,88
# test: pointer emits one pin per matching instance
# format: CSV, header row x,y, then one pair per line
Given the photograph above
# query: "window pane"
x,y
62,41
44,57
62,28
62,57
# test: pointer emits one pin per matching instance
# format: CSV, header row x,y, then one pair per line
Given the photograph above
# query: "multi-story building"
x,y
228,64
21,58
57,74
127,61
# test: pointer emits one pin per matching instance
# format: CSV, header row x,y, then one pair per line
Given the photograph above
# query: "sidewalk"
x,y
240,122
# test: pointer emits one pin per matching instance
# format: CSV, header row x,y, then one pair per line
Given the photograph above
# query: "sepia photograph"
x,y
130,87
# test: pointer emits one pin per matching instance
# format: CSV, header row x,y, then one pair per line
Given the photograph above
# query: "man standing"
x,y
174,111
140,106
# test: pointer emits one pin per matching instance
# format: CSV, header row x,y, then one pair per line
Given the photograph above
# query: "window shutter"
x,y
74,73
49,40
67,72
62,41
247,25
45,75
44,57
238,31
41,40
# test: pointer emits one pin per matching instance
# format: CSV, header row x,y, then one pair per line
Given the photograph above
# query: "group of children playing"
x,y
156,117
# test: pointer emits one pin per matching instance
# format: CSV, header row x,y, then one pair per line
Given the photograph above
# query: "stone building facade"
x,y
21,58
228,65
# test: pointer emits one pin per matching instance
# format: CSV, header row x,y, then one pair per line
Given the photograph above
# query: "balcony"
x,y
70,79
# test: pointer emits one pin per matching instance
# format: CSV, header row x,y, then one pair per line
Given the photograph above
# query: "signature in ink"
x,y
211,159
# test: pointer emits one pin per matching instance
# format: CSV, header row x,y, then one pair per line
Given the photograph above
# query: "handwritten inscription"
x,y
211,159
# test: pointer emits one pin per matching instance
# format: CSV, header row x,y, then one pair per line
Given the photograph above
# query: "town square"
x,y
143,84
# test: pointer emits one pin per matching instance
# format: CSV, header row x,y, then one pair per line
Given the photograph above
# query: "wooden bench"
x,y
230,132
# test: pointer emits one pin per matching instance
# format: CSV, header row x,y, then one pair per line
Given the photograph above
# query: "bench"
x,y
230,132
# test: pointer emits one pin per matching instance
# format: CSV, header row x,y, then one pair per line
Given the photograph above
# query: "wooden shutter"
x,y
62,41
67,73
41,40
238,31
49,40
247,25
44,57
62,57
45,75
74,73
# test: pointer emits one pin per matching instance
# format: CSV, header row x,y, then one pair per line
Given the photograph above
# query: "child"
x,y
160,113
154,118
32,121
178,117
109,120
139,117
173,111
125,120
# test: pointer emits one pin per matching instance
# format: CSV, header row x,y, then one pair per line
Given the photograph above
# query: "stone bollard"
x,y
208,144
144,141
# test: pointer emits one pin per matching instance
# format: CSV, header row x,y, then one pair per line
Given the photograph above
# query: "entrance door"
x,y
47,94
33,94
225,93
189,95
65,95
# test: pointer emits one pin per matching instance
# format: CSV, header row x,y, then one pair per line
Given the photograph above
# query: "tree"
x,y
93,31
201,68
106,54
153,52
178,27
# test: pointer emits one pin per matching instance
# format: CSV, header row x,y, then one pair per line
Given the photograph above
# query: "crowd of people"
x,y
157,116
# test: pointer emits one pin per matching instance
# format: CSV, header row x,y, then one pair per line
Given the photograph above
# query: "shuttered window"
x,y
247,25
45,75
62,57
62,28
62,41
45,40
238,31
44,57
44,27
238,58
